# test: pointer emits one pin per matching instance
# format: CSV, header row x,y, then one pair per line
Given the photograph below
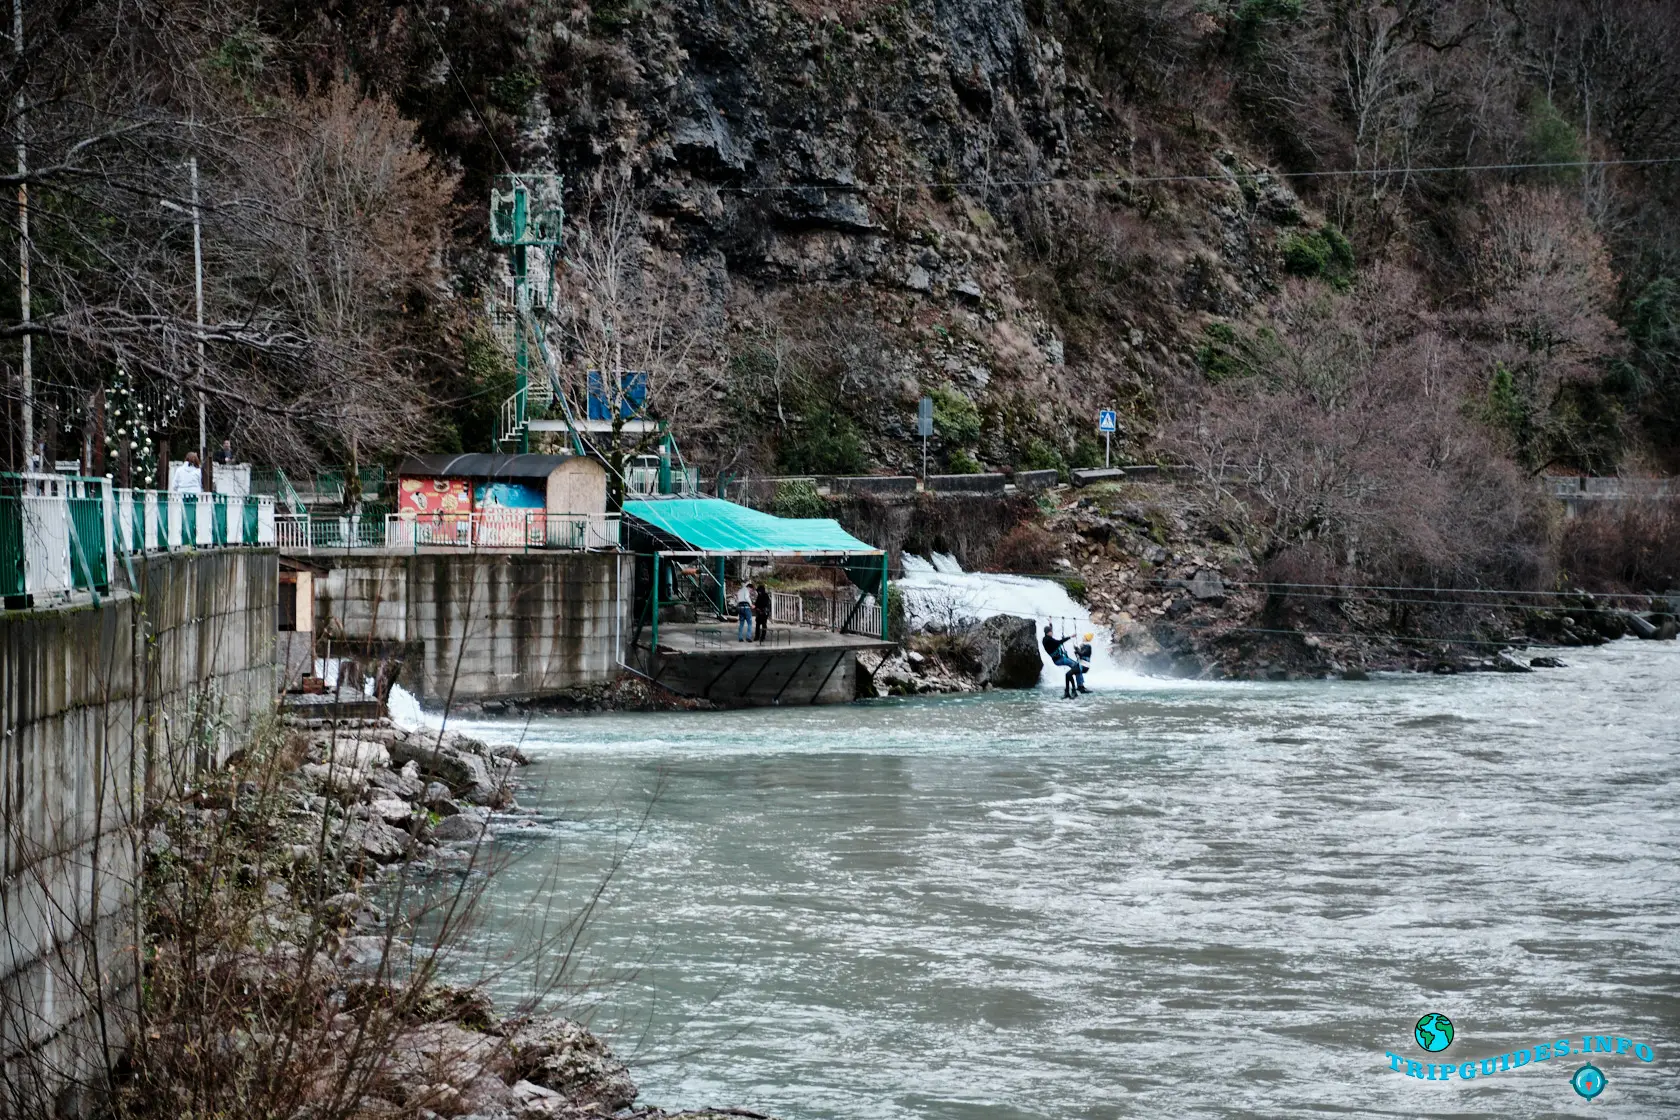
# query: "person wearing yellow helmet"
x,y
1057,649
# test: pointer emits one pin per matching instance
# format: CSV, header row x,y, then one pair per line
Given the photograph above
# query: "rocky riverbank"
x,y
1001,652
628,692
299,906
1163,566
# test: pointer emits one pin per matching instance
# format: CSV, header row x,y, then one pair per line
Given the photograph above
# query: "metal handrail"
x,y
512,529
60,535
826,612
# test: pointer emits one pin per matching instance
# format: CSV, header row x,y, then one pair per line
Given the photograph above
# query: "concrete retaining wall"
x,y
757,677
480,626
967,483
105,709
876,484
1036,480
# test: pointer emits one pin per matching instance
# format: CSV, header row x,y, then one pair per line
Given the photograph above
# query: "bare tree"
x,y
625,306
321,224
1348,436
1543,289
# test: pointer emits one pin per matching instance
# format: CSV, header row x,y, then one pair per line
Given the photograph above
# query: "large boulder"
x,y
1009,656
561,1055
472,776
373,840
1207,587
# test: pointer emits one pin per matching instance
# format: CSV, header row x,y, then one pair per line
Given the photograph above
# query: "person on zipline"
x,y
1056,648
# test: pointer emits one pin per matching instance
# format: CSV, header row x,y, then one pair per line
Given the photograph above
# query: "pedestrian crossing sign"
x,y
1108,420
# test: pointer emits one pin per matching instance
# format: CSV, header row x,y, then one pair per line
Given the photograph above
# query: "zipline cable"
x,y
1442,590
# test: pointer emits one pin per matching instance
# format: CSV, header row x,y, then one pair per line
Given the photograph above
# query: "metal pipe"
x,y
206,476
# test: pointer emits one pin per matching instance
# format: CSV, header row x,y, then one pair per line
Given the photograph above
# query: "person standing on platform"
x,y
188,477
761,610
744,613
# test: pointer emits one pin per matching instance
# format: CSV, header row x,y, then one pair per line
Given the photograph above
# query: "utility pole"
x,y
23,250
207,477
924,428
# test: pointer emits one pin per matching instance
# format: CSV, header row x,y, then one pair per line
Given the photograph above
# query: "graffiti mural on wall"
x,y
430,497
507,495
510,514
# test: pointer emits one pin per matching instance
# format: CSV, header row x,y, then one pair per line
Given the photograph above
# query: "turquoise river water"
x,y
1191,900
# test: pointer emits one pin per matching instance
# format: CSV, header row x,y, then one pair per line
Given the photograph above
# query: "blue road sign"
x,y
924,417
1108,420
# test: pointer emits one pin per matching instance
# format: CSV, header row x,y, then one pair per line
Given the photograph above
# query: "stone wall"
x,y
106,708
478,626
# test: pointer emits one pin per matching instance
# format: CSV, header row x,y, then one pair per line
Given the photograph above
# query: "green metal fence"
x,y
62,534
87,538
11,546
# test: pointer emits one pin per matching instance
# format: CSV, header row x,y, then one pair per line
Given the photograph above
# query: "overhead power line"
x,y
1148,180
455,73
1334,588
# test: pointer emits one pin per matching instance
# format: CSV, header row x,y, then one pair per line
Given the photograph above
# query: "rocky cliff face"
x,y
859,187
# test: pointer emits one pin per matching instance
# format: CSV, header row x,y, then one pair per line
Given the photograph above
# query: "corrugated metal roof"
x,y
714,525
480,465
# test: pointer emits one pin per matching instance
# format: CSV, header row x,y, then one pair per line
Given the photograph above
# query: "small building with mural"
x,y
504,501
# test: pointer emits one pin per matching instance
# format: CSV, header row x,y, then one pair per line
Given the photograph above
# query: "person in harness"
x,y
1075,665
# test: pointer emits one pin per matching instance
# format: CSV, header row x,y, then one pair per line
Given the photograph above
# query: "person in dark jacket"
x,y
1057,649
761,612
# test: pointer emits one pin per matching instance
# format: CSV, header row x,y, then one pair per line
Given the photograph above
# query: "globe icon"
x,y
1434,1032
1588,1081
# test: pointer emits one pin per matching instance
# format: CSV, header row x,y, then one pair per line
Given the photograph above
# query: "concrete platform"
x,y
794,665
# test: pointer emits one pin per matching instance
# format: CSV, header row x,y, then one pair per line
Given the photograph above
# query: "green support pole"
x,y
654,647
521,348
884,596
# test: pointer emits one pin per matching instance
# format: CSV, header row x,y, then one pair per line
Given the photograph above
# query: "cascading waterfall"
x,y
405,710
939,592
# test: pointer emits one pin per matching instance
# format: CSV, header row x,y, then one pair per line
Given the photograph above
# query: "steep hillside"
x,y
1368,263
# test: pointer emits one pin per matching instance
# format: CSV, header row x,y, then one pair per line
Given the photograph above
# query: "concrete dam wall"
x,y
477,626
108,709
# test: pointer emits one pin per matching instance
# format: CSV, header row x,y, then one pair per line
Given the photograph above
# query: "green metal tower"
x,y
526,213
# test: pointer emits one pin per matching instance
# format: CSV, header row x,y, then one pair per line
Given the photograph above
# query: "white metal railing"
x,y
525,530
644,480
291,531
826,612
60,535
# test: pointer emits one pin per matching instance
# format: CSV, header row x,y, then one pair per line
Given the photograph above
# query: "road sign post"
x,y
1107,422
924,428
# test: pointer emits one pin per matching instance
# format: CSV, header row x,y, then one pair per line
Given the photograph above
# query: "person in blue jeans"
x,y
1057,649
744,613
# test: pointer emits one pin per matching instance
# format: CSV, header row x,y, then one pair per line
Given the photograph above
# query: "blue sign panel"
x,y
1108,420
631,395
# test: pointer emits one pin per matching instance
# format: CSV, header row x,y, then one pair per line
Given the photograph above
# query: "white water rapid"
x,y
940,592
406,712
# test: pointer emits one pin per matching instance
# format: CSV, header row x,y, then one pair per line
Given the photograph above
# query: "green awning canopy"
x,y
717,527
